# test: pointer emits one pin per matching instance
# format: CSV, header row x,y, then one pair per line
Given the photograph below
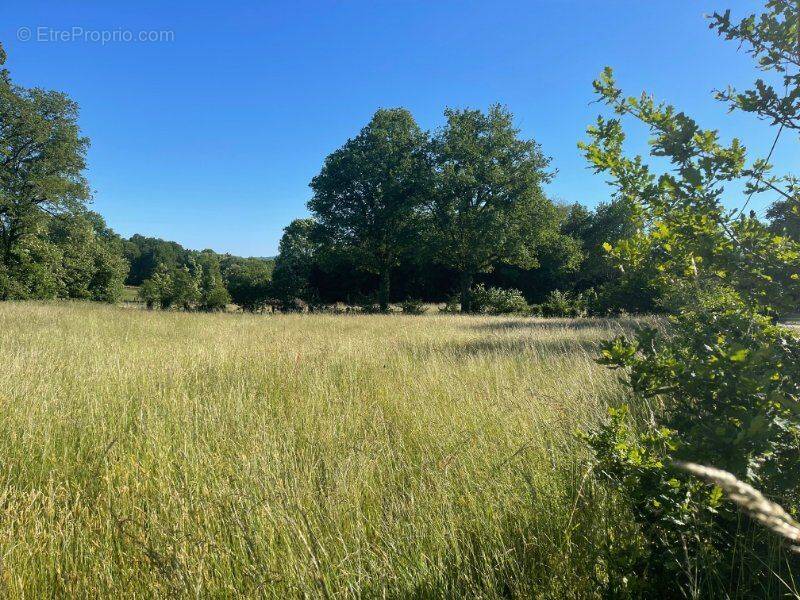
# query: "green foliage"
x,y
92,266
158,289
368,193
687,234
296,261
69,256
213,295
728,382
721,387
564,304
32,271
634,290
185,288
488,205
221,279
771,39
607,224
720,384
637,287
172,287
784,216
41,175
248,282
674,512
413,307
145,254
151,290
497,301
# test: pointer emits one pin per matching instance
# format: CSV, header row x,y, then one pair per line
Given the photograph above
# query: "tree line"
x,y
400,214
397,213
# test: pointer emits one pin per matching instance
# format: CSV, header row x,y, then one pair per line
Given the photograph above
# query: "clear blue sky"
x,y
210,139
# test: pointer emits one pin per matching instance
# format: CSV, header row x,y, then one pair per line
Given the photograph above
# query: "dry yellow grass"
x,y
149,454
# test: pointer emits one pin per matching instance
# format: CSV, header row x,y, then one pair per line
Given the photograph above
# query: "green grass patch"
x,y
171,454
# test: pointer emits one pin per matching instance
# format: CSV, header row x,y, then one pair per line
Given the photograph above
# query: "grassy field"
x,y
148,454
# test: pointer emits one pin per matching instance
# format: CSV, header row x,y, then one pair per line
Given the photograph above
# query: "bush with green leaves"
x,y
719,384
564,304
498,301
413,307
176,287
213,295
452,305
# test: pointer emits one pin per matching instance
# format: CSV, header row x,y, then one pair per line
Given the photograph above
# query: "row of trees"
x,y
470,196
397,213
196,285
430,213
395,209
169,275
573,259
52,246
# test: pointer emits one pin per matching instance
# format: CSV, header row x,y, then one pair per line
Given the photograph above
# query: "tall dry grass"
x,y
147,454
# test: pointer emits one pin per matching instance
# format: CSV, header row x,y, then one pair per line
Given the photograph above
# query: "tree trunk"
x,y
7,245
466,292
383,290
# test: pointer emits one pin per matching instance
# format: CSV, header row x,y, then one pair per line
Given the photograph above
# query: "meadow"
x,y
176,454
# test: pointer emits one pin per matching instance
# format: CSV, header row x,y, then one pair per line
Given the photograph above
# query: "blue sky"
x,y
210,138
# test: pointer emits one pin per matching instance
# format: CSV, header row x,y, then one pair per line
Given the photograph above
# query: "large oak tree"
x,y
42,158
488,206
368,193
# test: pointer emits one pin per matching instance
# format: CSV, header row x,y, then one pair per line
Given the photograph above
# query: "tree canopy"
x,y
487,204
368,193
42,159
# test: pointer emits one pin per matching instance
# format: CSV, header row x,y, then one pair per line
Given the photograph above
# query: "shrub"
x,y
452,306
564,304
498,301
720,384
721,388
413,307
369,306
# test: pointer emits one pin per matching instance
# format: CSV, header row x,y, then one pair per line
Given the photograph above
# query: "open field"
x,y
176,454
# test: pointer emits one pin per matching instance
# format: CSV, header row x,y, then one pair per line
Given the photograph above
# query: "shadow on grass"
x,y
503,346
564,325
